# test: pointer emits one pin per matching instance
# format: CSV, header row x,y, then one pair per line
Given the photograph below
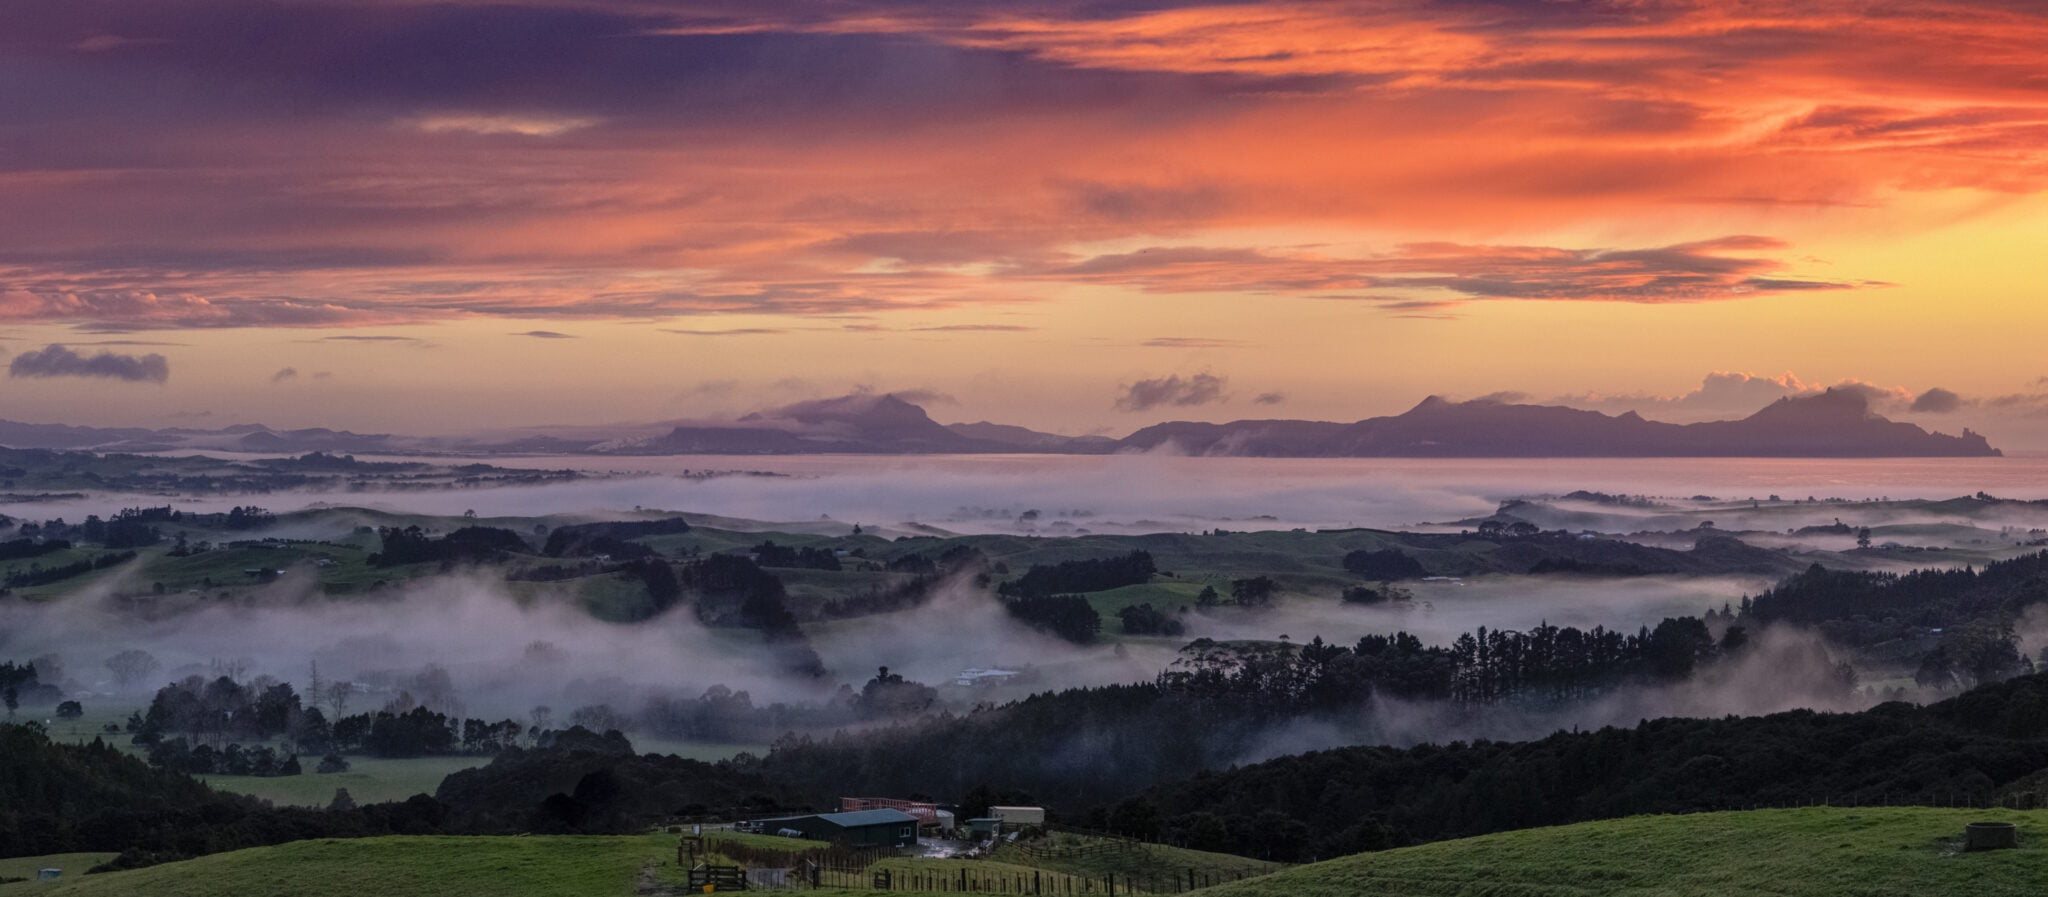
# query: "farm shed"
x,y
861,828
1017,817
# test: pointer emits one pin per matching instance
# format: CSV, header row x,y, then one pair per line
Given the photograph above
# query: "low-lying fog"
x,y
1153,493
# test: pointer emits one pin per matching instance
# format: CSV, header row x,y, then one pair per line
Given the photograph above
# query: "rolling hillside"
x,y
1815,852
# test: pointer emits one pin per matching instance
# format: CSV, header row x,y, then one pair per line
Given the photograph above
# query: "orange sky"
x,y
1331,208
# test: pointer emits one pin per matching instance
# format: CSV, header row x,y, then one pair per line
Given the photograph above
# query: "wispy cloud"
x,y
57,361
1199,389
489,124
1706,270
737,331
1192,342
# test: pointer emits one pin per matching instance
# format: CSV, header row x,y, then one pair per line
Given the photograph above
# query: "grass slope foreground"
x,y
1813,852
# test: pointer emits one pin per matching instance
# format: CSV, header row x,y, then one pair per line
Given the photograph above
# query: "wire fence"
x,y
840,867
1037,882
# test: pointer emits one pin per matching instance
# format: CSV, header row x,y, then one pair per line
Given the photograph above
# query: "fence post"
x,y
1034,882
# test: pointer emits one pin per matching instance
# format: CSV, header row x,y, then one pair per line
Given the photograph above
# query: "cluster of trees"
x,y
234,760
769,554
1546,664
1968,614
1327,803
583,539
38,575
224,710
1070,617
1501,529
21,684
732,590
889,694
65,798
24,548
724,715
1095,575
412,545
128,529
420,732
1144,619
1387,564
928,576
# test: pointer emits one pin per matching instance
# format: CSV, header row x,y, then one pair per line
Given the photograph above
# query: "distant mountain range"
x,y
1832,424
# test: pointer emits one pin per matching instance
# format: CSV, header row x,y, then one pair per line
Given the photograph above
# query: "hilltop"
x,y
1831,424
1813,852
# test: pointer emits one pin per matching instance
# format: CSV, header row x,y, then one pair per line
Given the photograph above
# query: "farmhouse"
x,y
860,828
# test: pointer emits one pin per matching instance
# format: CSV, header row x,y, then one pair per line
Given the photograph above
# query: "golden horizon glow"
x,y
590,212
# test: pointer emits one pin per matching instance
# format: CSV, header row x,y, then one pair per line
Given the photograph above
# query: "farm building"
x,y
1016,817
927,813
861,828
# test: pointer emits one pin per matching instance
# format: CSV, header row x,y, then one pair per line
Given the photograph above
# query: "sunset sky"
x,y
1083,216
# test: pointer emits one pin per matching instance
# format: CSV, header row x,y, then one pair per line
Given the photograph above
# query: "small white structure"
x,y
48,874
983,677
1011,817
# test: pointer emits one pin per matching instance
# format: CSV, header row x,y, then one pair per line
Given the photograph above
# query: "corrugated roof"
x,y
851,819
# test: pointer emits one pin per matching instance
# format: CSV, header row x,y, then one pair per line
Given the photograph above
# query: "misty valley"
x,y
201,655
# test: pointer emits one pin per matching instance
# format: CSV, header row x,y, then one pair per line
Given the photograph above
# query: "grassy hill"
x,y
1148,865
1816,852
568,866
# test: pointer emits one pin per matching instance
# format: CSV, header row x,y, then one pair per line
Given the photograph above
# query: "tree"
x,y
1863,537
1208,597
1144,619
342,802
889,694
1257,591
1387,565
132,666
70,710
1070,617
338,693
597,718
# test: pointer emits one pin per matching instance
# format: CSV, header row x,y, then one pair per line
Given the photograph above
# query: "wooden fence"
x,y
1038,883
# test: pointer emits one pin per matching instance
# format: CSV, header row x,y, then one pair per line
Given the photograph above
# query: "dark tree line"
x,y
412,545
1328,803
24,548
734,591
582,539
233,760
1388,564
1144,619
1070,617
769,554
1547,664
1969,614
39,575
64,798
1095,575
